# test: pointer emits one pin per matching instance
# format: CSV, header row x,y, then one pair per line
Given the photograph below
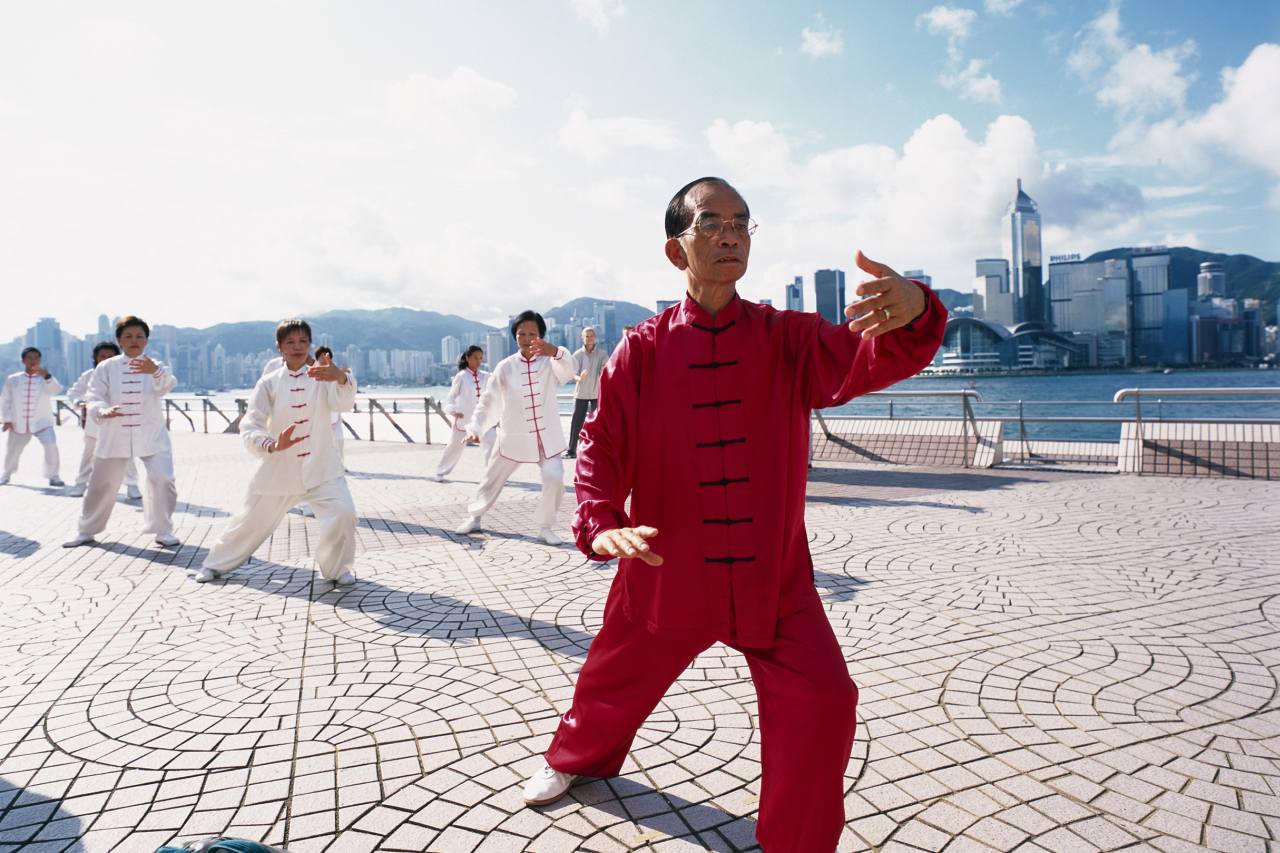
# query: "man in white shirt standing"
x,y
521,400
126,398
287,426
589,362
27,409
76,394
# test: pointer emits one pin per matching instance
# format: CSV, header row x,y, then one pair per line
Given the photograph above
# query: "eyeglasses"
x,y
713,226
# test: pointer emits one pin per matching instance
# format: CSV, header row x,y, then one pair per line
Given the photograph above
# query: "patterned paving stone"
x,y
1046,661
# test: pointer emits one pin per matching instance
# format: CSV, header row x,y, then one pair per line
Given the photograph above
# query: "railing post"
x,y
967,415
204,409
890,410
1137,399
426,417
369,405
1022,434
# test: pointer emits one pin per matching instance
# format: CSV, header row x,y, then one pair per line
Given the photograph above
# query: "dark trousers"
x,y
580,409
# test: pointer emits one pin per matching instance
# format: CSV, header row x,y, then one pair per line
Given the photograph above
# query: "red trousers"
x,y
806,706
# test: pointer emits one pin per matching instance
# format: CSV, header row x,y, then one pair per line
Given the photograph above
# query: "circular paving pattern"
x,y
1070,661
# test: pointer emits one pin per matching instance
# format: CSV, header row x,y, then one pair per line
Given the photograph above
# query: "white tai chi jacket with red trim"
x,y
521,400
140,430
285,397
28,401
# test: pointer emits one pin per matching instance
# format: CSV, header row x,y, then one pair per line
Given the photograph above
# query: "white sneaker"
x,y
470,525
168,540
347,578
546,786
133,493
78,541
4,479
439,478
56,482
306,511
549,536
203,575
77,491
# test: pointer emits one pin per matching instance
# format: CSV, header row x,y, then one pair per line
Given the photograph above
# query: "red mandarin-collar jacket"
x,y
704,423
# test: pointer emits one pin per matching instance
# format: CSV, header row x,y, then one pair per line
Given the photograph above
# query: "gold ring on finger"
x,y
887,315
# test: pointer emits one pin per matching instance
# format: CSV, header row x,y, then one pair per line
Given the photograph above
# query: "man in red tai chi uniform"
x,y
704,423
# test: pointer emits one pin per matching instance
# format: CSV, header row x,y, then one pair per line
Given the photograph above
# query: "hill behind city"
x,y
1247,277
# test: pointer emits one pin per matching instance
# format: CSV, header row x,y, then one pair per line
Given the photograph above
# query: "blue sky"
x,y
197,163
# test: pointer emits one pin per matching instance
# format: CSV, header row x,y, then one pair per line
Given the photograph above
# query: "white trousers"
x,y
500,470
86,465
18,443
160,499
334,551
453,450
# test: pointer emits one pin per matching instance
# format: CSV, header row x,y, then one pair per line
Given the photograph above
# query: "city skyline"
x,y
454,164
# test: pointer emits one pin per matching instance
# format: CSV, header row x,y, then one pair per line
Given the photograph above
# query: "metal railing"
x,y
966,397
1136,394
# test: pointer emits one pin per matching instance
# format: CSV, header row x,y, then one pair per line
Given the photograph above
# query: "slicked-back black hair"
x,y
29,350
526,316
680,214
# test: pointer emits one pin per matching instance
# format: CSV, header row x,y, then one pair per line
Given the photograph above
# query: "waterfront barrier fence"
x,y
889,429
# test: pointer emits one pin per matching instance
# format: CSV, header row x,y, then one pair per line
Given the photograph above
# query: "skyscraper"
x,y
106,329
495,346
1212,280
828,288
920,276
1148,283
450,349
991,286
664,304
1022,248
795,295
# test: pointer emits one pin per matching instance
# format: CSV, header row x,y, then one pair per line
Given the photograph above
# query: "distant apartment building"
x,y
450,350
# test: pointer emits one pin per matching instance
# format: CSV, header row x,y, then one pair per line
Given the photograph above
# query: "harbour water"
x,y
1087,395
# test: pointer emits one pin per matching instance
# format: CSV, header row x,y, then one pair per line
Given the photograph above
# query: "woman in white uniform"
x,y
76,394
468,385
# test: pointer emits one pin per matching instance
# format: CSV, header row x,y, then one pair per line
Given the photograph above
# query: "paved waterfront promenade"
x,y
1047,661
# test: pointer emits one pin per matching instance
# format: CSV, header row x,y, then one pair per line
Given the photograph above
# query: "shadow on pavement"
x,y
32,821
13,545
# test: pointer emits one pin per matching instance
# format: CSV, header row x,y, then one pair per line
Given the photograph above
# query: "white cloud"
x,y
821,43
597,138
448,108
972,83
1244,125
599,13
952,22
937,203
966,78
1138,81
1172,191
1001,7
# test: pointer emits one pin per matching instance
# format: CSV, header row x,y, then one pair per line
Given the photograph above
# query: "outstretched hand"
x,y
627,542
326,371
285,439
891,301
545,347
